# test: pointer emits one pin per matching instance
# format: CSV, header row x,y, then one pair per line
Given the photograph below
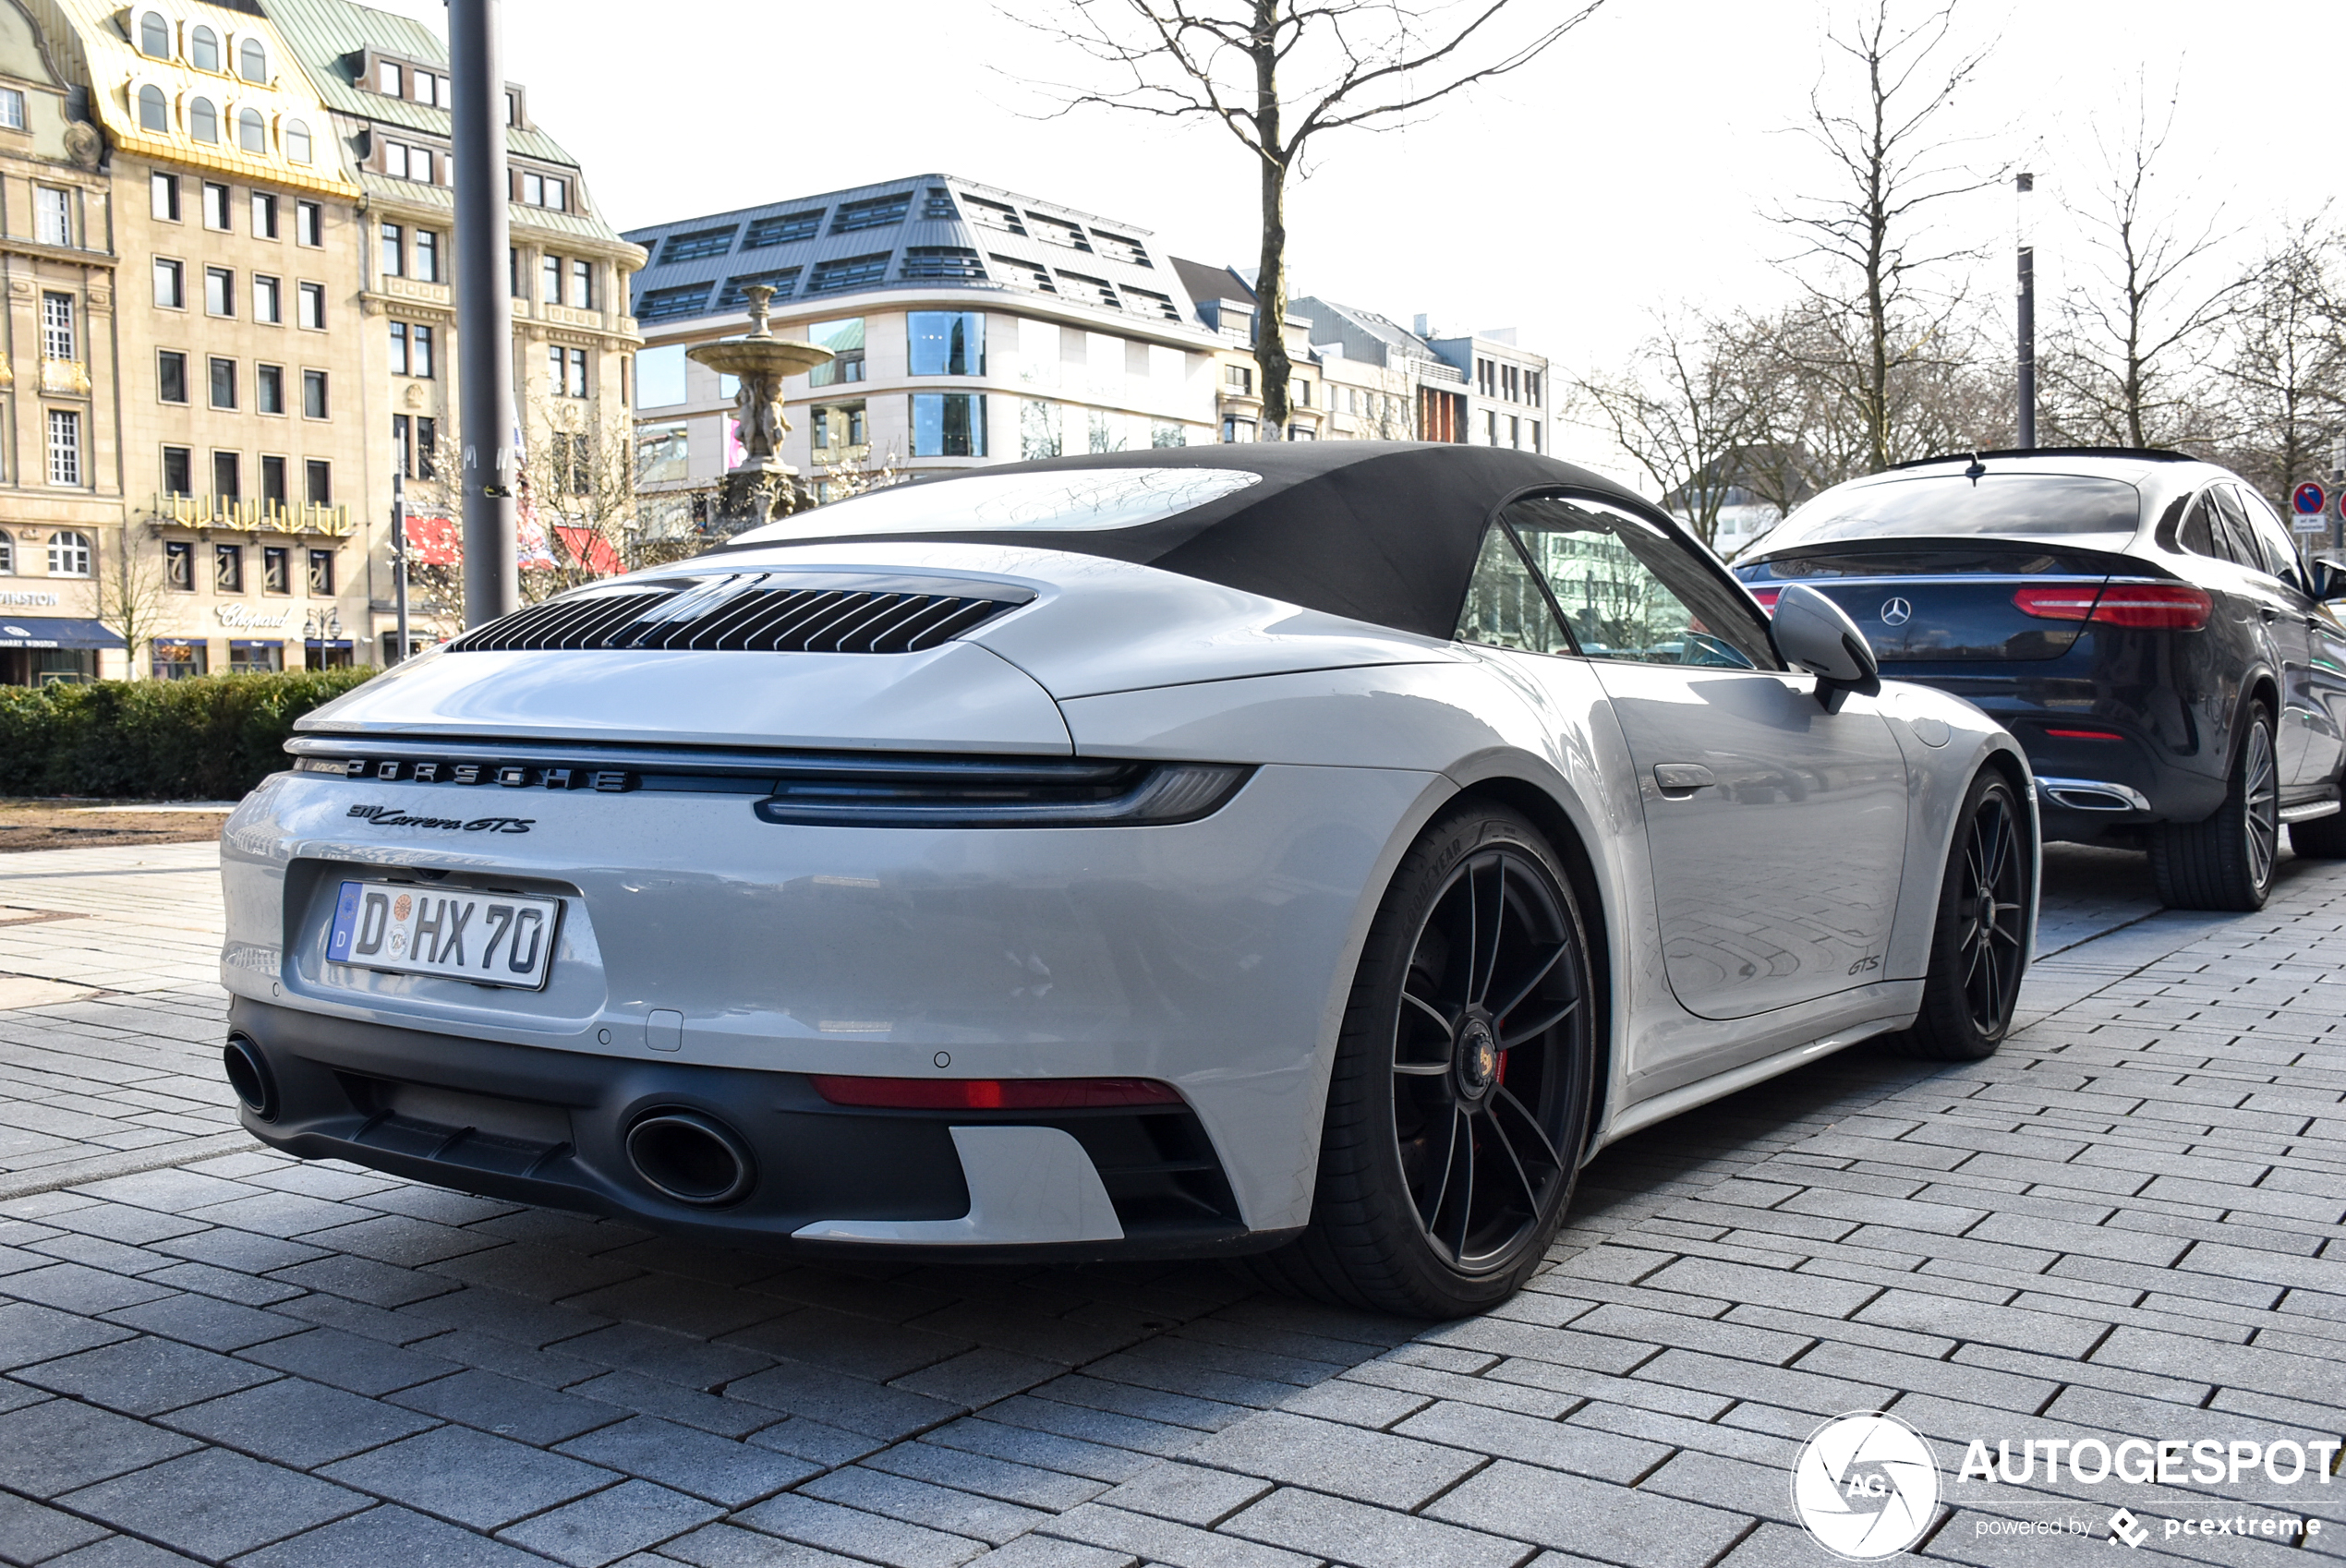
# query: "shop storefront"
x,y
42,650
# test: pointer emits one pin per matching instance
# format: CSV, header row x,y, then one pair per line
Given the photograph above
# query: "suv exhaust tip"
x,y
691,1158
250,1076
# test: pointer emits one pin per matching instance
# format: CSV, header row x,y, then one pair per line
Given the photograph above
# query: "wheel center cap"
x,y
1478,1055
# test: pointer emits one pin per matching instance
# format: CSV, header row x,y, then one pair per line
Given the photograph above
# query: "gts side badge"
x,y
392,817
1871,961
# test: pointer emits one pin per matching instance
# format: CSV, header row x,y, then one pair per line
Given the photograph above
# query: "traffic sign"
x,y
2308,498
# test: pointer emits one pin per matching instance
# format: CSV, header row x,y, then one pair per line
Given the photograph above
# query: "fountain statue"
x,y
761,488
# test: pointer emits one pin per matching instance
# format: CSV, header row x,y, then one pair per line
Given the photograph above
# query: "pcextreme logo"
x,y
1866,1485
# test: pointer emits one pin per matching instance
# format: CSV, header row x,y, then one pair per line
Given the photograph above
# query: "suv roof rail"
x,y
2152,453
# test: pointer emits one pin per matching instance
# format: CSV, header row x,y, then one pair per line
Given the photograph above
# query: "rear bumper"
x,y
547,1127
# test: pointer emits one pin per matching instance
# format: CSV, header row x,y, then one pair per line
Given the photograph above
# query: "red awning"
x,y
434,541
585,545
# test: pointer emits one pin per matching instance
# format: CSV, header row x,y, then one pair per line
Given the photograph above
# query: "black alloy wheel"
x,y
1980,945
2227,862
1459,1104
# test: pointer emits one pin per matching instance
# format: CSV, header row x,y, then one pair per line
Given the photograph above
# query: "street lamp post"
x,y
399,561
484,311
2026,184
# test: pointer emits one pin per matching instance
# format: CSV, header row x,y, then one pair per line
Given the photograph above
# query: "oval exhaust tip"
x,y
250,1076
690,1157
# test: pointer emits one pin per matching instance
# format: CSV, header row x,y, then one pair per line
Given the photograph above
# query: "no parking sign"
x,y
2307,500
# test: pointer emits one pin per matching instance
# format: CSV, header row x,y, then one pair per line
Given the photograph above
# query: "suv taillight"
x,y
2158,607
1767,598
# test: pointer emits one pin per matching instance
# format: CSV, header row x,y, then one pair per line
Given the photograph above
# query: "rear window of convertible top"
x,y
1945,505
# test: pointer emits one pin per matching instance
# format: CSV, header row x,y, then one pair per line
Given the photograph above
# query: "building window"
x,y
215,206
227,561
1038,430
550,279
390,78
394,159
53,215
218,291
582,284
154,111
313,395
178,555
177,658
422,360
566,371
64,453
268,299
252,132
427,256
698,245
684,299
203,49
782,280
68,553
203,120
783,229
154,37
162,198
170,376
276,569
948,425
252,61
298,141
849,272
321,573
7,554
255,658
56,327
313,306
427,448
399,348
545,190
947,343
845,340
428,87
836,426
1239,379
513,108
318,482
309,223
171,285
874,213
663,453
228,478
268,389
1169,432
394,251
1235,430
954,262
273,483
264,215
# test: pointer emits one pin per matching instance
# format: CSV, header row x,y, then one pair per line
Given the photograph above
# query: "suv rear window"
x,y
1944,505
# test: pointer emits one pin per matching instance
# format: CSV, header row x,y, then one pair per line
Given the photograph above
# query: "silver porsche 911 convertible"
x,y
1309,855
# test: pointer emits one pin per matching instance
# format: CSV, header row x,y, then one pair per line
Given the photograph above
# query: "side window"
x,y
2230,526
2281,550
2199,532
1505,607
1631,591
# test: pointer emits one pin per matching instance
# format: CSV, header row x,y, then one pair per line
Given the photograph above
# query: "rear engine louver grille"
x,y
743,614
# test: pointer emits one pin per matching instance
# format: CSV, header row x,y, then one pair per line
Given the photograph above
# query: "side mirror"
x,y
2329,581
1815,634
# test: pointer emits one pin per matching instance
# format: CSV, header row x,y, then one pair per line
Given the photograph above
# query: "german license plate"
x,y
487,938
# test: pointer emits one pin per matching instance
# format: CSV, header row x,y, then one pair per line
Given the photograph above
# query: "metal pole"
x,y
484,311
2028,183
399,558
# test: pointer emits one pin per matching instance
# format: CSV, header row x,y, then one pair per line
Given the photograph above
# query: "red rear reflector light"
x,y
2084,735
1767,598
2167,607
993,1094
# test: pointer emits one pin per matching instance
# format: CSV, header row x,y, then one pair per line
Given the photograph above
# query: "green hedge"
x,y
211,737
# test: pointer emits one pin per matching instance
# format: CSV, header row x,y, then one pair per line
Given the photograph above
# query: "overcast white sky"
x,y
1629,170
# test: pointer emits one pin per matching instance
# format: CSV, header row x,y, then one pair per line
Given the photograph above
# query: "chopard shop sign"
x,y
241,616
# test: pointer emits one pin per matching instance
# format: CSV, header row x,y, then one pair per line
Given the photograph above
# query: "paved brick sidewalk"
x,y
2117,1227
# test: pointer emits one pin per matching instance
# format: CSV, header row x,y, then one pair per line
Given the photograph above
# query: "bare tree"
x,y
1868,257
2125,356
1680,413
128,595
1366,65
2283,377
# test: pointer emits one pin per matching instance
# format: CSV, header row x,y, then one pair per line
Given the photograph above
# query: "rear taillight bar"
x,y
993,1094
2161,607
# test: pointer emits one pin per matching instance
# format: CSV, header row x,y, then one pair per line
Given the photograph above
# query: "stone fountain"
x,y
760,489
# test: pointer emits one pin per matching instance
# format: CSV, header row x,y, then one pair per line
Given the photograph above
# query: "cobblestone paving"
x,y
2118,1226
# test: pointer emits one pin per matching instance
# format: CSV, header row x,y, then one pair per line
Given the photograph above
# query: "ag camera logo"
x,y
1866,1485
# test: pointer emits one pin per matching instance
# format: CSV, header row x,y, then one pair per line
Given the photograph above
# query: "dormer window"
x,y
203,120
390,78
252,61
203,49
252,132
297,140
154,36
544,190
154,110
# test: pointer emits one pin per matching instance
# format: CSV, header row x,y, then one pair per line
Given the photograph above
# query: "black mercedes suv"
x,y
2142,620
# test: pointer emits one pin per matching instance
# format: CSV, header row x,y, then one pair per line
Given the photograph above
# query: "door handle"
x,y
2268,612
1682,778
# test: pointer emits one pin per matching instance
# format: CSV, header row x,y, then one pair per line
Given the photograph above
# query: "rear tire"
x,y
1459,1102
1978,943
2226,862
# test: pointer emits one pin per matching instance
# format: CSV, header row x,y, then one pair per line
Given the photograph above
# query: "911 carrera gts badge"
x,y
392,817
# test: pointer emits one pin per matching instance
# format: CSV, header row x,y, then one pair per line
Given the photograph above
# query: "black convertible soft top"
x,y
1380,531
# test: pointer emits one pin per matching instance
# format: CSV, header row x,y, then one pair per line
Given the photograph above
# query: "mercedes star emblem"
x,y
1896,612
